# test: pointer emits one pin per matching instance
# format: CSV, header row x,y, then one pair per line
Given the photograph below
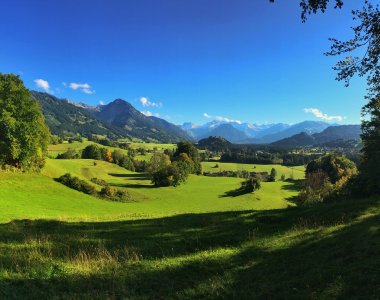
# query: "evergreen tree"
x,y
24,135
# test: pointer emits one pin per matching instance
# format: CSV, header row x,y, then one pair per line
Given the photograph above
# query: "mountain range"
x,y
119,119
331,136
245,133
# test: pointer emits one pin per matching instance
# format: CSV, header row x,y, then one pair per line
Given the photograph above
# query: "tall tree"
x,y
366,36
24,135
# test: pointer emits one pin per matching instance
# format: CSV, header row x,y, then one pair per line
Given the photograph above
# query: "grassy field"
x,y
198,241
297,172
54,150
322,252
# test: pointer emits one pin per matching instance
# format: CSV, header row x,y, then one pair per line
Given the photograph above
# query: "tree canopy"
x,y
24,135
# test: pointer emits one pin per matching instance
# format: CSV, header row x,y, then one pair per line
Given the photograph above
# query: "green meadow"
x,y
201,240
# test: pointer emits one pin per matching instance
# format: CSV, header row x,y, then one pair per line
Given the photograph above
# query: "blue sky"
x,y
245,60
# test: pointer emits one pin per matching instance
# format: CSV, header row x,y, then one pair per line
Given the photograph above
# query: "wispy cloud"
x,y
146,103
84,87
320,115
101,102
43,84
150,114
221,119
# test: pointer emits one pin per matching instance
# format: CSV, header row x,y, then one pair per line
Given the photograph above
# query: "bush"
x,y
114,194
317,188
99,181
92,152
251,185
69,154
77,184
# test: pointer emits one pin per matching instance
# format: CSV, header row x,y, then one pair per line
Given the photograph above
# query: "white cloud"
x,y
221,119
320,115
101,102
145,102
149,113
43,84
84,87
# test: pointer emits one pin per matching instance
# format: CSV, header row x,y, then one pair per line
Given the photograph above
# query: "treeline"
x,y
251,156
123,159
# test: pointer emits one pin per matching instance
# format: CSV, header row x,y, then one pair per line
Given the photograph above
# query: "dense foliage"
x,y
172,170
327,178
24,135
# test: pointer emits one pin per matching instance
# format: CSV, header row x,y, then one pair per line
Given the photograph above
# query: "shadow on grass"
x,y
234,193
326,251
134,185
138,176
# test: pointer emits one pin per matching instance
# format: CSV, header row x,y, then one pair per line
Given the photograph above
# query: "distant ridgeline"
x,y
286,151
118,119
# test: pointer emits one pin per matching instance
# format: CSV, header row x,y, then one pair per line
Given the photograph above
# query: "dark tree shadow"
x,y
235,193
331,252
137,176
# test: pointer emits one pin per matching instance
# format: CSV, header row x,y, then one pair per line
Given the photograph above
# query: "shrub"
x,y
317,188
92,152
114,194
69,154
99,181
77,184
251,185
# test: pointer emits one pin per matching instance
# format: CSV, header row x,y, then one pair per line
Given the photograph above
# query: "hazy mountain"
x,y
309,127
334,136
298,140
62,117
122,114
256,133
214,143
228,132
341,132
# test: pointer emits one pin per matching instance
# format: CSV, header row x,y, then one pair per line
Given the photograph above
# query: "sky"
x,y
186,61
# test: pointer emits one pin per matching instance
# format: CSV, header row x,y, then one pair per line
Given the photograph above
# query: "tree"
x,y
366,36
273,174
251,185
192,152
24,135
108,155
317,187
158,169
92,152
338,169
